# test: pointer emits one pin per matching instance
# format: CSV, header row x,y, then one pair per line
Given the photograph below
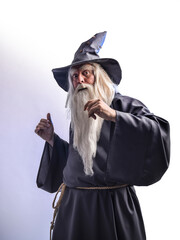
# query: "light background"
x,y
36,36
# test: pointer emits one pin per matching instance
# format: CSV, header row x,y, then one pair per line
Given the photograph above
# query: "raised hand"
x,y
45,129
100,108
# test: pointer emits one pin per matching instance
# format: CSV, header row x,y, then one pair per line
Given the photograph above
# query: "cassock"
x,y
134,150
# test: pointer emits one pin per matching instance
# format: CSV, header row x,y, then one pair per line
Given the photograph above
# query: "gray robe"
x,y
135,151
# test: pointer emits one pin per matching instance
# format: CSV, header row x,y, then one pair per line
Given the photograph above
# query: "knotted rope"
x,y
62,189
103,188
56,207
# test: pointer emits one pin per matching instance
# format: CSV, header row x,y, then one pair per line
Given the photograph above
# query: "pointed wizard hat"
x,y
87,53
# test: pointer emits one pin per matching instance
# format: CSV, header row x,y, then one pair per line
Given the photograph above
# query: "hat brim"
x,y
111,66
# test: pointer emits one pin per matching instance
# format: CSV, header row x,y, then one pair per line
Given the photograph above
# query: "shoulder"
x,y
118,97
128,104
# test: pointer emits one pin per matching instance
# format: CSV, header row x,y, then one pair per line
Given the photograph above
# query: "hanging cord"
x,y
62,190
56,207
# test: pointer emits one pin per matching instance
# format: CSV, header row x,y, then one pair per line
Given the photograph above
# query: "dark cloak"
x,y
135,151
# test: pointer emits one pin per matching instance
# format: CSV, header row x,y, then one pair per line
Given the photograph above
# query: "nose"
x,y
80,78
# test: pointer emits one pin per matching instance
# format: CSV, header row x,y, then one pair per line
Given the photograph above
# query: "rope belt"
x,y
62,190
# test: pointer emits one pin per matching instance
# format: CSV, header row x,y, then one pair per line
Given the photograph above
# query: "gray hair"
x,y
103,85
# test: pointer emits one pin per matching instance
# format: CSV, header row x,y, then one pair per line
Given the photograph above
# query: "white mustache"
x,y
81,89
83,86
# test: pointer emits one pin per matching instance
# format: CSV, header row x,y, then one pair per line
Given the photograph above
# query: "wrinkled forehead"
x,y
83,67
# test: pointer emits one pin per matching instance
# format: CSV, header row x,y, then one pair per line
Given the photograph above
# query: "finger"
x,y
86,105
90,103
49,118
93,116
44,121
42,127
94,109
37,130
44,124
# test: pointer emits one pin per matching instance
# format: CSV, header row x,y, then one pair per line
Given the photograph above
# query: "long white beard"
x,y
86,130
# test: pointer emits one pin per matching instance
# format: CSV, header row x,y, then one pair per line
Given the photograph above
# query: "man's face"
x,y
82,74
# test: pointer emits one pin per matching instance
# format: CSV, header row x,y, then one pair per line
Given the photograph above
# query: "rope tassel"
x,y
56,207
62,190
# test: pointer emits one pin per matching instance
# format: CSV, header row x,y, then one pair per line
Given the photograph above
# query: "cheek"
x,y
74,84
91,80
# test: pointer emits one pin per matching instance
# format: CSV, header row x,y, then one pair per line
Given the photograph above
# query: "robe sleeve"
x,y
140,145
53,161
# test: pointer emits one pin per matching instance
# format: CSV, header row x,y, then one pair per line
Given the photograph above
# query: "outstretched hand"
x,y
45,129
100,108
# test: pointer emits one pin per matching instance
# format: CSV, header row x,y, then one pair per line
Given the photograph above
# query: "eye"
x,y
86,73
74,76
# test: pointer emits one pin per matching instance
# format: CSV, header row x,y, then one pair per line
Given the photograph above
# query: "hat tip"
x,y
104,33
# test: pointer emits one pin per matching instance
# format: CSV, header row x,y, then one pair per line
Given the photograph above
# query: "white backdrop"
x,y
38,35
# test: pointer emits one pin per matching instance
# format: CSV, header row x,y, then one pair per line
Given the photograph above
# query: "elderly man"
x,y
115,142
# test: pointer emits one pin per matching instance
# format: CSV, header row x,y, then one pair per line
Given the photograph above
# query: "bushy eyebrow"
x,y
82,68
87,67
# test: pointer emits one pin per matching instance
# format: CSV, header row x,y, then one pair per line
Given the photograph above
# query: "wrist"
x,y
113,116
51,141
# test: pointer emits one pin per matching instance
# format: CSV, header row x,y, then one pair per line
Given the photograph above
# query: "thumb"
x,y
49,117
